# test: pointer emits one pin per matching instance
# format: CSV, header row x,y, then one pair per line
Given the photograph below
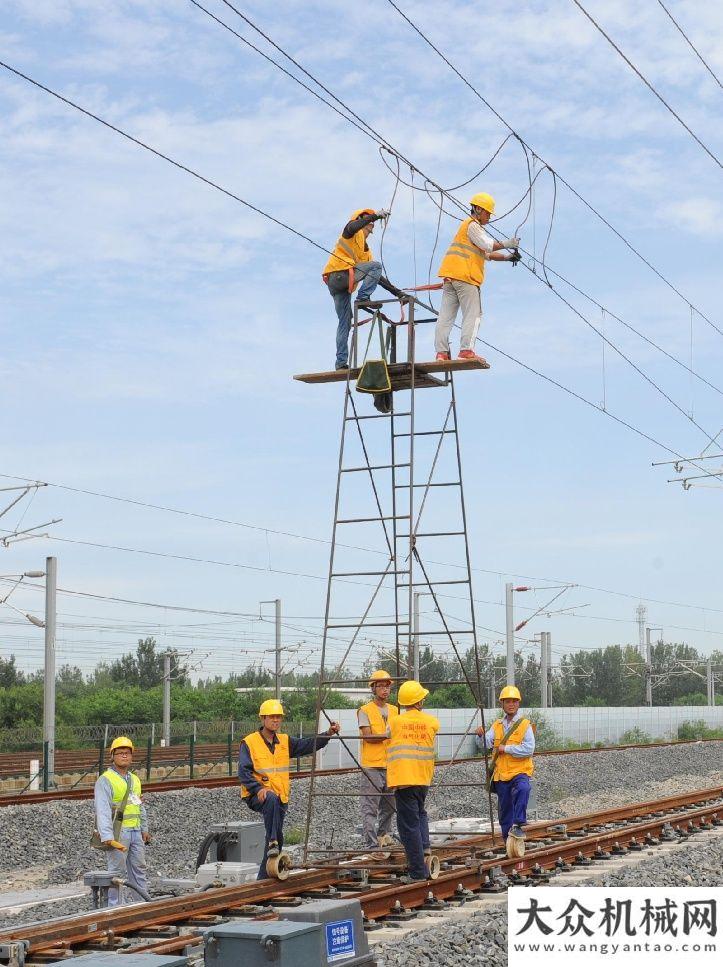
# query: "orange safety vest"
x,y
271,769
463,261
374,754
348,252
509,766
410,755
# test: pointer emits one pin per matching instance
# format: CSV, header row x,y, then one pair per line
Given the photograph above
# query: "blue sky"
x,y
151,325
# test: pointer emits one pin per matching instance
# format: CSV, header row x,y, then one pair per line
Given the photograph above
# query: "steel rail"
x,y
378,899
218,782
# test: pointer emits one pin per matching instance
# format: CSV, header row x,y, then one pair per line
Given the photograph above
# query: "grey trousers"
x,y
454,295
376,810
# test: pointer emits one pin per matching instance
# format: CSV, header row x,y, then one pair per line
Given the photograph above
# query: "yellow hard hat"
x,y
361,211
411,692
510,691
379,676
122,742
272,706
483,200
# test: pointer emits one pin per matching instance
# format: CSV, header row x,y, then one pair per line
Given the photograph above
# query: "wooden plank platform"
x,y
400,373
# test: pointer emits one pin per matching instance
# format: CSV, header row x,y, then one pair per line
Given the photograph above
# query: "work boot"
x,y
443,357
369,304
517,831
471,354
342,366
273,849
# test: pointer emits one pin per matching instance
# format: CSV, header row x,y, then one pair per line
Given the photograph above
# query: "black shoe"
x,y
342,366
367,304
273,849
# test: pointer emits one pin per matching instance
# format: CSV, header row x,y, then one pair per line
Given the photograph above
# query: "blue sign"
x,y
340,940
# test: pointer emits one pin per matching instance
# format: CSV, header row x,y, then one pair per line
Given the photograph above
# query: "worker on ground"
x,y
121,821
376,800
263,769
513,741
463,271
350,264
410,768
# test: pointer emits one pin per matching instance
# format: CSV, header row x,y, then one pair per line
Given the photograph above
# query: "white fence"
x,y
570,725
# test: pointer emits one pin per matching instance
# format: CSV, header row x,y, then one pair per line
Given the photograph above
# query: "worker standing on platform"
x,y
263,769
513,740
121,821
410,768
376,801
463,271
351,263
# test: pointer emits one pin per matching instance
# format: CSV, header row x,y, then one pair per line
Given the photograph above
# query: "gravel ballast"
x,y
48,843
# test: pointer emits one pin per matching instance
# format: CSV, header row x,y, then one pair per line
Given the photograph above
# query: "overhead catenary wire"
x,y
647,83
413,168
258,210
691,45
560,177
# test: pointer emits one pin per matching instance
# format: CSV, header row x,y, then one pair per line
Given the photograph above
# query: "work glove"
x,y
513,242
115,844
514,258
383,213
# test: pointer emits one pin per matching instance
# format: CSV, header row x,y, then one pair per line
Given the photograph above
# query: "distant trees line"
x,y
130,688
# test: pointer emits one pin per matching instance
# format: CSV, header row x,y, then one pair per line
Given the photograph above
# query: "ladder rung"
x,y
424,584
370,520
451,631
433,534
451,483
378,466
426,433
371,624
358,574
375,416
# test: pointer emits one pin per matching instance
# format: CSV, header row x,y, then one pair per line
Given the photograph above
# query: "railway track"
x,y
470,865
219,782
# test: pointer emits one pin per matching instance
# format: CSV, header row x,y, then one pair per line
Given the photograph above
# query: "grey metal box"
x,y
123,960
342,940
245,844
255,943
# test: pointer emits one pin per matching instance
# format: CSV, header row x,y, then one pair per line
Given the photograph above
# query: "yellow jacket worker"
x,y
513,739
263,770
463,271
375,800
410,768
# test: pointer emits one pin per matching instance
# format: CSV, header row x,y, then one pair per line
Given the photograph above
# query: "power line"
x,y
563,180
277,221
378,138
647,83
691,45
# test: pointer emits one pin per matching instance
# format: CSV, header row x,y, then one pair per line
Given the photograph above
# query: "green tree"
x,y
9,674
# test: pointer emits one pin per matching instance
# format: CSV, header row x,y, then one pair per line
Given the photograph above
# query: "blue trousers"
x,y
273,811
413,827
130,866
512,799
369,274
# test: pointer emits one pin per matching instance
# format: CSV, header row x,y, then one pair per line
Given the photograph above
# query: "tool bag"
x,y
95,841
489,782
374,375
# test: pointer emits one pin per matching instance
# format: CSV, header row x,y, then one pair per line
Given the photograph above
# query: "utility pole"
x,y
277,646
543,669
709,681
51,584
641,613
414,657
648,669
548,651
167,655
510,634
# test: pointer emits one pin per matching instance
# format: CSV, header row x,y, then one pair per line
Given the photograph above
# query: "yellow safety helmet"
x,y
411,692
483,200
362,211
122,742
272,706
379,676
510,691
